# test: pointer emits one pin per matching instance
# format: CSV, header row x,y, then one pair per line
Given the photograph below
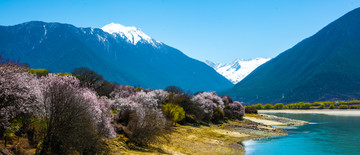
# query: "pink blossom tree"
x,y
72,118
237,109
98,108
208,102
123,91
140,115
20,92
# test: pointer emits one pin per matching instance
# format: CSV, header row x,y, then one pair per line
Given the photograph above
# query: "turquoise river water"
x,y
325,135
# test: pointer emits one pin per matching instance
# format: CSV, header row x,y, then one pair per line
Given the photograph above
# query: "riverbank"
x,y
213,139
223,138
337,112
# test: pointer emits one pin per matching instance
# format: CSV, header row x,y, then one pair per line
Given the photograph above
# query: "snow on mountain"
x,y
212,64
238,69
132,34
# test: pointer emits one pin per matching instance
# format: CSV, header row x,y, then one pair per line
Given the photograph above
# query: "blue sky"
x,y
219,30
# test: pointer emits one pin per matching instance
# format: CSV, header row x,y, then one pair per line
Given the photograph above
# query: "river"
x,y
325,135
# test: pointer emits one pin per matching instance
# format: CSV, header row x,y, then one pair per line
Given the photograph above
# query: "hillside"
x,y
121,54
324,66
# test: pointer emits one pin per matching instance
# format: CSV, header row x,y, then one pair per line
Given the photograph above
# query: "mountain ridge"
x,y
62,47
321,67
238,69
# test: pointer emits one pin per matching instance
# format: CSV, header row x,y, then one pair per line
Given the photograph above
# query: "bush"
x,y
63,74
234,110
305,106
70,126
88,78
354,106
173,112
322,106
208,101
218,115
237,109
268,106
140,117
138,89
174,89
122,91
258,106
106,88
193,113
160,95
279,106
146,129
250,110
332,106
227,100
343,106
39,72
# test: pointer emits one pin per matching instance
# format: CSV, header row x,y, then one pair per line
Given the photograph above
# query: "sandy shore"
x,y
265,122
337,112
271,120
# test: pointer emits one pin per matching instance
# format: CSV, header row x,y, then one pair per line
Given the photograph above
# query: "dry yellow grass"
x,y
204,140
252,115
213,139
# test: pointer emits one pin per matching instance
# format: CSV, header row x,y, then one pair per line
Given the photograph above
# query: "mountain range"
x,y
121,54
238,69
324,66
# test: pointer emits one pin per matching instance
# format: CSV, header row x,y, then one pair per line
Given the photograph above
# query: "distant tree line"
x,y
354,104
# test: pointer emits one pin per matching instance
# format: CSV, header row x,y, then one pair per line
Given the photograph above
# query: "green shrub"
x,y
173,112
354,101
138,89
258,106
332,106
294,105
64,74
354,106
268,106
343,106
193,113
250,110
39,72
218,115
305,106
322,106
279,106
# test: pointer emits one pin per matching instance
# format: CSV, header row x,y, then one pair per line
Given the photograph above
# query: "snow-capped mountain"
x,y
132,34
238,69
121,54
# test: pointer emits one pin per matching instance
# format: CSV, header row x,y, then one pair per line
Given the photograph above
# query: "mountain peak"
x,y
132,34
237,69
